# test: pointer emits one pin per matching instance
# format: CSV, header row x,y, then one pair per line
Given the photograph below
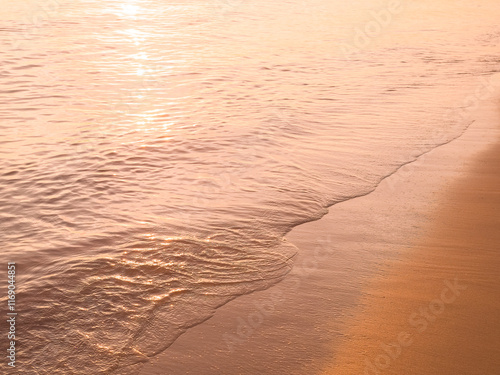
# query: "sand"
x,y
437,310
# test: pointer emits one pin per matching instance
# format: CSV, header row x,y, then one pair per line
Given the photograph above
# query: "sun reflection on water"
x,y
130,10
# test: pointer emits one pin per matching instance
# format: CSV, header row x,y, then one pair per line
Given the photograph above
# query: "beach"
x,y
245,187
435,310
428,240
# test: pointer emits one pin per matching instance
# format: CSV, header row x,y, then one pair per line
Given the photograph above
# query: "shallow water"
x,y
155,154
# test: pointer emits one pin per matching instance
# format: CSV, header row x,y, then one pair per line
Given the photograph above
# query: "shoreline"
x,y
436,310
304,323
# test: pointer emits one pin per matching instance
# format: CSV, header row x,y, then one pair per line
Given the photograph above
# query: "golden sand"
x,y
437,310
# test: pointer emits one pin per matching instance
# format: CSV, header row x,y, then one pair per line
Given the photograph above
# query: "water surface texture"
x,y
154,153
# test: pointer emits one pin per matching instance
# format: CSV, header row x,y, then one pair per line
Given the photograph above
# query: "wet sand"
x,y
436,310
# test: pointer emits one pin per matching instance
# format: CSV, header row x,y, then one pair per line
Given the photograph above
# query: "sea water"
x,y
155,153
